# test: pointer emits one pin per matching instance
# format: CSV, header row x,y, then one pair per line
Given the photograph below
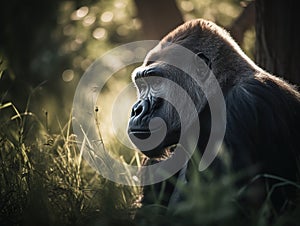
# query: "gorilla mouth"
x,y
162,147
143,133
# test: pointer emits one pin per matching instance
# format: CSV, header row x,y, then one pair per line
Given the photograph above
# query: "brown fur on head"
x,y
229,63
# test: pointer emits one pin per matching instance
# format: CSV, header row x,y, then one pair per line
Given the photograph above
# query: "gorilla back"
x,y
262,110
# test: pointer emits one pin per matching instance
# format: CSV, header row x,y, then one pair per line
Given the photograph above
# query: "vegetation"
x,y
44,175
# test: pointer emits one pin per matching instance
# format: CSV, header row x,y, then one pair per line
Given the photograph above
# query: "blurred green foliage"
x,y
55,41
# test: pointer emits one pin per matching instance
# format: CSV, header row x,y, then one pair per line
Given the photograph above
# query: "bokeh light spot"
x,y
99,33
89,20
107,16
82,11
122,30
187,6
68,75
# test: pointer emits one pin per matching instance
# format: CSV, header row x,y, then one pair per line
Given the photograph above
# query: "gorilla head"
x,y
175,78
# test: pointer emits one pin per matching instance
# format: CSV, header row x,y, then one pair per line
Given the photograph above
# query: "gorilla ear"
x,y
203,71
205,59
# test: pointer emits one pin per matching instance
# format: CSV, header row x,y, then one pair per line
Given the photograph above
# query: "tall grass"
x,y
45,181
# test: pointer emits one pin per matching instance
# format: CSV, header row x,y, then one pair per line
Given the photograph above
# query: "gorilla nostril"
x,y
138,110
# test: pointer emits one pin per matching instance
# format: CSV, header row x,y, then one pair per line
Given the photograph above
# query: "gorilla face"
x,y
167,96
154,123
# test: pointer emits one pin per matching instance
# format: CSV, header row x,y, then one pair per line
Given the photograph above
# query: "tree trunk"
x,y
277,40
242,23
158,17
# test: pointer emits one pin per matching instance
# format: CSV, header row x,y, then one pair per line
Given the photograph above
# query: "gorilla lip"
x,y
133,131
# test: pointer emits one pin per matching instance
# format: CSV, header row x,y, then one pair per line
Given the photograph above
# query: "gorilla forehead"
x,y
174,58
189,33
197,35
164,54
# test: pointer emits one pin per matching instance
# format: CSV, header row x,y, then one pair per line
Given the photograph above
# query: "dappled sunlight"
x,y
107,17
99,33
68,75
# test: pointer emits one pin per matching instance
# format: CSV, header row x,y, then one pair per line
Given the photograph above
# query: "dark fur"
x,y
263,121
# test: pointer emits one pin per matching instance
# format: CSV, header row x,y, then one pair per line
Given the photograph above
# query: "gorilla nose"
x,y
140,109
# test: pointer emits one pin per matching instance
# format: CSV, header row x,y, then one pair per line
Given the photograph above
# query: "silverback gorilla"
x,y
262,111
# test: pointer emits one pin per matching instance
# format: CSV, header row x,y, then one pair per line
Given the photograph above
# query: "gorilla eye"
x,y
141,85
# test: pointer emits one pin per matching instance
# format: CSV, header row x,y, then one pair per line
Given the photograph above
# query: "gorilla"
x,y
262,115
